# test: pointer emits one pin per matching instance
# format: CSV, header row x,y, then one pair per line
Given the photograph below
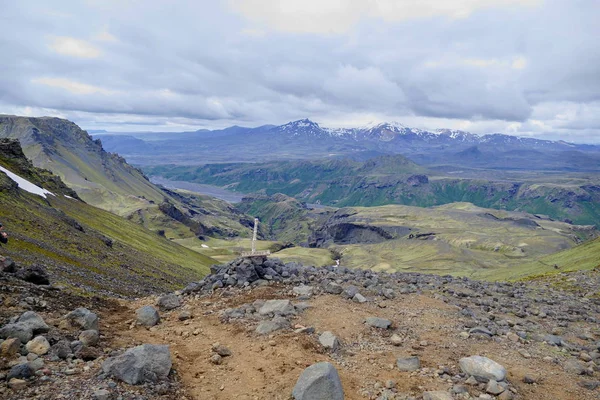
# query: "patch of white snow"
x,y
25,184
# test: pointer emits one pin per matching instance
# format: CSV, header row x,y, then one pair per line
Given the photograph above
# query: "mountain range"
x,y
305,139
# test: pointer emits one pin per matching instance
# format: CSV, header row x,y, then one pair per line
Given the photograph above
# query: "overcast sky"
x,y
524,67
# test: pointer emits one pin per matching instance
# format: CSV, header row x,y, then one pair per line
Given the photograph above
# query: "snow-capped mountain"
x,y
397,132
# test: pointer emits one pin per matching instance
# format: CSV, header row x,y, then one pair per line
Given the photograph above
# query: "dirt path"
x,y
267,367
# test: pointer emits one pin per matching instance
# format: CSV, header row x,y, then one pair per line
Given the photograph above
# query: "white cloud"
x,y
72,86
338,16
69,46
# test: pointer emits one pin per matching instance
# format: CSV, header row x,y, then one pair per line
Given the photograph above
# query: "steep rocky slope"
x,y
83,247
100,178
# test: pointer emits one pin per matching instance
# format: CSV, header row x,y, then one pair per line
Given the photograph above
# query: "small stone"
x,y
482,367
221,350
169,302
102,394
185,315
17,384
39,345
396,340
472,381
147,316
333,288
380,323
277,307
437,395
89,337
464,335
329,341
319,381
303,290
408,364
529,379
216,359
493,387
10,347
359,298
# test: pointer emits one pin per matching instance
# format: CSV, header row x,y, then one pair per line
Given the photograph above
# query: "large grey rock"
x,y
319,382
376,322
83,318
35,274
145,363
276,324
20,371
482,367
329,341
18,331
33,321
277,307
408,364
28,324
169,302
147,316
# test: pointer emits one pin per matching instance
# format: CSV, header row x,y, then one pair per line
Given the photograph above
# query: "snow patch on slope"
x,y
25,184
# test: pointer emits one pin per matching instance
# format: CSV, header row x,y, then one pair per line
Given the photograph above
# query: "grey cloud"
x,y
216,73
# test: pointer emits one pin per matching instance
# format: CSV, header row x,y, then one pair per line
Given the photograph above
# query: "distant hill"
x,y
87,249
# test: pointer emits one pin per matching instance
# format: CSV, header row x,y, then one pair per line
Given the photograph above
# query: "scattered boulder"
x,y
169,302
303,290
35,274
277,323
483,368
320,381
33,321
39,345
408,364
145,363
147,316
334,288
61,349
277,307
380,323
350,291
19,331
329,341
83,319
20,371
